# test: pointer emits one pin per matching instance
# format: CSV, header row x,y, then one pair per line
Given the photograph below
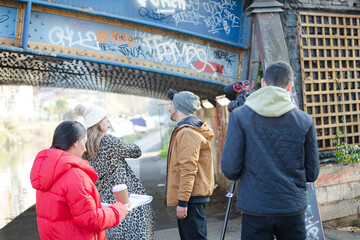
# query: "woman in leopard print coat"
x,y
106,154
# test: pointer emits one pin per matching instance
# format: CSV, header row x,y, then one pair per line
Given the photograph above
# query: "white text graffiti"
x,y
171,51
67,37
312,229
220,17
164,6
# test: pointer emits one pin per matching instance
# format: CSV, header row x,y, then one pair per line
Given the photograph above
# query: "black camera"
x,y
241,88
171,94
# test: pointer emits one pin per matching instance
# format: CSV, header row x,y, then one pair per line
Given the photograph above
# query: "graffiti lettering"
x,y
124,49
3,18
59,36
172,51
232,18
144,12
220,54
133,52
173,4
209,67
115,37
107,48
312,229
220,16
337,177
189,17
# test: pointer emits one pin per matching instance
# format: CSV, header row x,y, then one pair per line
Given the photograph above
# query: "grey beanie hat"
x,y
186,102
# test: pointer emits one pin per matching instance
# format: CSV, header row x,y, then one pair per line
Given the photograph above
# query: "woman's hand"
x,y
128,207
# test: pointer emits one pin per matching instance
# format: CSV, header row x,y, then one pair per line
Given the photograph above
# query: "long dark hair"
x,y
66,134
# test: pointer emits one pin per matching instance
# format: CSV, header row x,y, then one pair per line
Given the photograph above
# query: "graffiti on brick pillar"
x,y
131,43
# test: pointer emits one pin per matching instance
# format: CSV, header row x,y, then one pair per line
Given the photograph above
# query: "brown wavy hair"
x,y
94,136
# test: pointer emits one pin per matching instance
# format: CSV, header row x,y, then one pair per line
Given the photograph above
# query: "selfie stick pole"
x,y
230,195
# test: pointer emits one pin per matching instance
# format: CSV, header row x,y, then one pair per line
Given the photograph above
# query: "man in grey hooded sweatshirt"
x,y
271,147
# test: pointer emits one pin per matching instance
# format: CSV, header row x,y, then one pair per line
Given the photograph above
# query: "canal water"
x,y
16,193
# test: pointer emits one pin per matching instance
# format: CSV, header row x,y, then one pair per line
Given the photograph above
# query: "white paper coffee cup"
x,y
121,193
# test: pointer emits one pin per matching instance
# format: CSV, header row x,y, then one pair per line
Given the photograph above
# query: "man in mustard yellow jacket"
x,y
190,172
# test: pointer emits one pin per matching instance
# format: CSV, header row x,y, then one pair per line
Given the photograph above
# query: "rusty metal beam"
x,y
270,36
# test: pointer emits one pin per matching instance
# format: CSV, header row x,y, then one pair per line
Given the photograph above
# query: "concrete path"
x,y
152,170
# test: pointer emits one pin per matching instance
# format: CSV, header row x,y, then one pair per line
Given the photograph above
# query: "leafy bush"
x,y
345,153
165,141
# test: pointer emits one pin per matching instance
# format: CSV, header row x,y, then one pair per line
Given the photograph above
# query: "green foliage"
x,y
61,106
165,141
10,132
258,78
163,153
345,153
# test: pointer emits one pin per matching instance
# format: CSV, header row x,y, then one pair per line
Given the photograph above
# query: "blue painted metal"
x,y
26,25
219,21
72,57
245,66
105,38
8,17
245,33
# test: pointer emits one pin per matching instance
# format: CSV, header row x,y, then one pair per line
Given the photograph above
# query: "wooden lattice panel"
x,y
330,63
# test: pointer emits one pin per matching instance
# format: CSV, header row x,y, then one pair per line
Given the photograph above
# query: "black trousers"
x,y
265,228
193,227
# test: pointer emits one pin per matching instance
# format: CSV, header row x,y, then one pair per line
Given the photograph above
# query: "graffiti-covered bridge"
x,y
140,47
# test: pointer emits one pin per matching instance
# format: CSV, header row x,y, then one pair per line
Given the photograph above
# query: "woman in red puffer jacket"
x,y
67,202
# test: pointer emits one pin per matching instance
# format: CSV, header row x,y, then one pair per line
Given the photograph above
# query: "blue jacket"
x,y
271,147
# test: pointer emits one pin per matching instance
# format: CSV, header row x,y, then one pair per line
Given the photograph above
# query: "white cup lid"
x,y
119,187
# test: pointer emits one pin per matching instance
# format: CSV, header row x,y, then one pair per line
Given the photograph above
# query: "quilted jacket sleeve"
x,y
233,153
189,144
81,200
312,162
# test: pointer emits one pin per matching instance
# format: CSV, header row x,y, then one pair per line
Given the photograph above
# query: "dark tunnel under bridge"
x,y
19,68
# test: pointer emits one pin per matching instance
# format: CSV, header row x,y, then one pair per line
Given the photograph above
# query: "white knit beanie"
x,y
92,114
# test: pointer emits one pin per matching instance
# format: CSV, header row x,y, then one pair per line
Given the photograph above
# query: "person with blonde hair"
x,y
106,154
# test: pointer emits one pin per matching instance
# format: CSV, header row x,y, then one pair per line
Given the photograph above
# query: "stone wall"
x,y
338,191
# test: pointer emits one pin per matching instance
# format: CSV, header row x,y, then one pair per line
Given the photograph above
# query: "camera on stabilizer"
x,y
241,88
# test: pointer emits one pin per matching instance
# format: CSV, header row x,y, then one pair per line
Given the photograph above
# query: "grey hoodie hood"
x,y
270,101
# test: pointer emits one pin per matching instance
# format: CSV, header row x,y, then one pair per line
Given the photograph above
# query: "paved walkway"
x,y
151,171
24,228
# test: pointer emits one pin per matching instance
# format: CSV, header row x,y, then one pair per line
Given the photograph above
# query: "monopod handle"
x,y
230,195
